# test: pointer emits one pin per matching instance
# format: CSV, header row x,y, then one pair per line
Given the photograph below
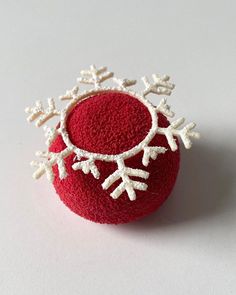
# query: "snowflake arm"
x,y
40,114
127,183
50,134
70,94
87,166
151,152
94,76
185,133
124,83
164,108
129,186
160,85
50,159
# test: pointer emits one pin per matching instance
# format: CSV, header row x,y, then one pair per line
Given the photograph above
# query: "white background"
x,y
189,245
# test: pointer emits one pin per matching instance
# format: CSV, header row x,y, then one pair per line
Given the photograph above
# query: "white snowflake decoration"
x,y
96,77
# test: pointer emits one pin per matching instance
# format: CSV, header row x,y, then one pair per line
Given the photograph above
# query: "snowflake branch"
x,y
50,159
164,108
70,94
50,133
151,152
94,76
124,83
185,133
87,166
42,115
127,183
159,86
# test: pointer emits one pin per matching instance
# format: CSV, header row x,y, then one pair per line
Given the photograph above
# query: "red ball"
x,y
111,123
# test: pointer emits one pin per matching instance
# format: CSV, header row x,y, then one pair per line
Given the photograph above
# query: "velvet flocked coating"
x,y
111,123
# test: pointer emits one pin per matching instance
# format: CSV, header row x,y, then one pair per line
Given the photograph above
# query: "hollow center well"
x,y
108,123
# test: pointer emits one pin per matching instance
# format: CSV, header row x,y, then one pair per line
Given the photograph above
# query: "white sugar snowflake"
x,y
96,77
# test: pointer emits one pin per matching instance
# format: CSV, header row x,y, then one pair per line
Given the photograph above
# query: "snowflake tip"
x,y
33,163
27,110
195,134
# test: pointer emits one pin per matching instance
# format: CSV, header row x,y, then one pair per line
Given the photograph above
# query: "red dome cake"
x,y
114,157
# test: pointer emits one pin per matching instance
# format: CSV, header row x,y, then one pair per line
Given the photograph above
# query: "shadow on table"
x,y
203,189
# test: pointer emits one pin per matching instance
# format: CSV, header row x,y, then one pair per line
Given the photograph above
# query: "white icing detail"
x,y
127,183
95,77
152,152
185,133
70,94
87,166
159,86
164,108
124,83
50,159
50,133
42,114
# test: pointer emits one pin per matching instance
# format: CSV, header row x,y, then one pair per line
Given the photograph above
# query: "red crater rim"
x,y
108,123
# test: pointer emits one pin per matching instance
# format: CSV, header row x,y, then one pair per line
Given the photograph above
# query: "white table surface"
x,y
189,245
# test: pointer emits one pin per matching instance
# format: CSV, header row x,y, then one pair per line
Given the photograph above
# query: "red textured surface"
x,y
112,123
